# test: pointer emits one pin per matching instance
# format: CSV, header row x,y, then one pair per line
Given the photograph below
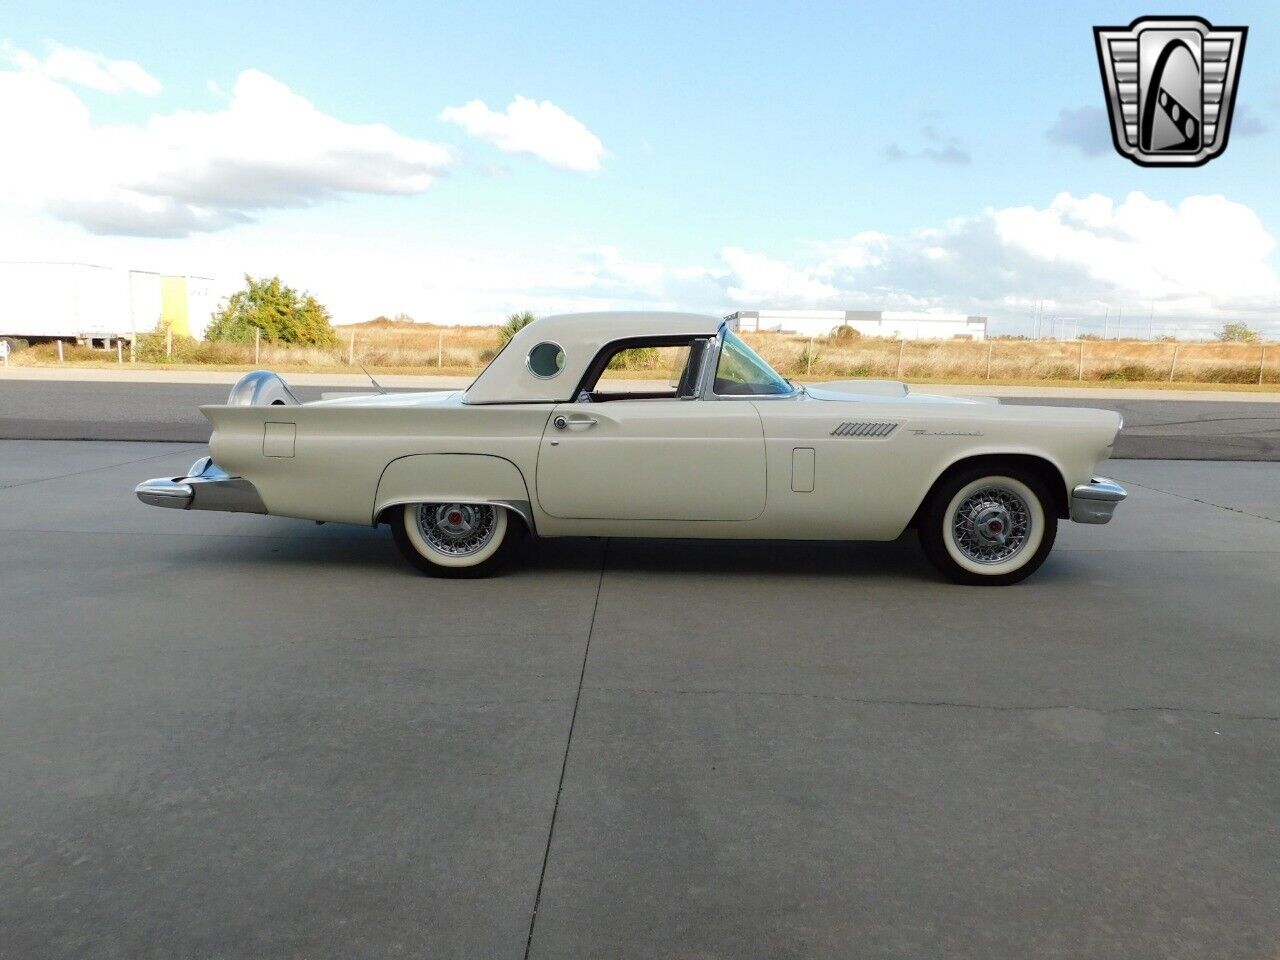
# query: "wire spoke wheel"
x,y
991,524
456,530
456,539
989,527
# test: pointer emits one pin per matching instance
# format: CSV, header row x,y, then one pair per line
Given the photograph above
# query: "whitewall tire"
x,y
455,539
989,525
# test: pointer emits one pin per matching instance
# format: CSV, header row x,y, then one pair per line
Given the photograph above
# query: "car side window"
x,y
741,372
653,371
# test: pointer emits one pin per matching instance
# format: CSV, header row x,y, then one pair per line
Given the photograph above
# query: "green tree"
x,y
283,314
1237,332
514,324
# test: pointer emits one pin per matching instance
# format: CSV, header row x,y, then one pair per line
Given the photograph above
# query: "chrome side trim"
x,y
1095,501
206,487
864,428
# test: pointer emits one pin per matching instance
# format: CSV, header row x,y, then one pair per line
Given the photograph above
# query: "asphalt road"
x,y
73,410
228,736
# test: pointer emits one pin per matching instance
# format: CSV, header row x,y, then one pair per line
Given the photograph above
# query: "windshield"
x,y
741,373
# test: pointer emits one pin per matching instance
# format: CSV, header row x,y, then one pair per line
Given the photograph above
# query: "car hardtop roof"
x,y
580,336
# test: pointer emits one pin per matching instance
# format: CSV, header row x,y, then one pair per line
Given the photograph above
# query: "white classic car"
x,y
544,444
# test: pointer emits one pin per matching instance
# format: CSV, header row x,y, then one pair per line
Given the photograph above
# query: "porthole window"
x,y
545,360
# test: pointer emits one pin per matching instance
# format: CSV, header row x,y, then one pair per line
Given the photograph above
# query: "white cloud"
x,y
1081,255
539,128
84,68
1207,253
865,249
760,280
190,171
1198,261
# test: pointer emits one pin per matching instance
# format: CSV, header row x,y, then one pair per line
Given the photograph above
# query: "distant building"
x,y
96,304
895,324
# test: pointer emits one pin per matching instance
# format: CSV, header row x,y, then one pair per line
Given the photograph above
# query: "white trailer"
x,y
97,304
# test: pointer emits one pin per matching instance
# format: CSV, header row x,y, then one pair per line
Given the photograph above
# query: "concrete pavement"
x,y
227,736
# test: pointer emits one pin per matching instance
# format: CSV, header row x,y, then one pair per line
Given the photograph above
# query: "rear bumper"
x,y
1095,501
206,487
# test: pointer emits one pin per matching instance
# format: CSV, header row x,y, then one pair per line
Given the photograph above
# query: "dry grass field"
x,y
404,347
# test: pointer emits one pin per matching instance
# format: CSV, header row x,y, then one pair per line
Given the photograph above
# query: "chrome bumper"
x,y
206,487
1095,501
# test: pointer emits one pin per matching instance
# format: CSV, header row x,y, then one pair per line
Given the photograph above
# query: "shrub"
x,y
636,358
1235,373
1134,372
806,361
514,324
844,333
43,353
857,370
1236,332
282,314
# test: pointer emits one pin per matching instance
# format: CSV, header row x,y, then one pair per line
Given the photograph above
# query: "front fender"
x,y
1050,467
448,477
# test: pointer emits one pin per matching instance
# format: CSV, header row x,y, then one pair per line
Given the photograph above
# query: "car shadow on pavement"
x,y
360,548
901,558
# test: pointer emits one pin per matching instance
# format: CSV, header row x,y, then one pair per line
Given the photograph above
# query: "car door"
x,y
653,459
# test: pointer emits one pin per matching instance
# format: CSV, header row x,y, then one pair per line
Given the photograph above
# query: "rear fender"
x,y
450,477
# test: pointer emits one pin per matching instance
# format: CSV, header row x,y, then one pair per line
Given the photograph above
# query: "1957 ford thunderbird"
x,y
544,444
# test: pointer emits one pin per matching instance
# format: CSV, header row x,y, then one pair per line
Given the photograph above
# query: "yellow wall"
x,y
173,305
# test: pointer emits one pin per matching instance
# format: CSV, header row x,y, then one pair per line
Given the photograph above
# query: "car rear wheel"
x,y
455,539
988,526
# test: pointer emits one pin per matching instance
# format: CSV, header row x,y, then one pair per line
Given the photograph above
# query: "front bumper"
x,y
1095,501
206,487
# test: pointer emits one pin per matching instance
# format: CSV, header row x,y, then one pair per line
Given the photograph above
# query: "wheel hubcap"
x,y
456,529
991,524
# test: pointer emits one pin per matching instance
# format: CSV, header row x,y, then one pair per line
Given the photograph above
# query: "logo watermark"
x,y
1170,84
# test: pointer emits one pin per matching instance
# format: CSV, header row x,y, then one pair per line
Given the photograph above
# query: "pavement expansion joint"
x,y
564,763
1207,503
946,704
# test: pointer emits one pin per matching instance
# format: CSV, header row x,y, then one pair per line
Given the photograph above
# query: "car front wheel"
x,y
989,526
455,539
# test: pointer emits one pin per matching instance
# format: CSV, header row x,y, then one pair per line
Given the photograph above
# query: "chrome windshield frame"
x,y
712,363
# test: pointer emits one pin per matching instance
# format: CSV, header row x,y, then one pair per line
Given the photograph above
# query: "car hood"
x,y
884,391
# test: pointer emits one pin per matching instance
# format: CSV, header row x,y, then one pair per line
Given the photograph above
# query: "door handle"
x,y
576,422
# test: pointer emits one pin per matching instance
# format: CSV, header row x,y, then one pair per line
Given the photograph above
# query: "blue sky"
x,y
747,149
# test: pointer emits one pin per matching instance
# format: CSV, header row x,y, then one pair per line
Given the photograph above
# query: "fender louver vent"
x,y
864,429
